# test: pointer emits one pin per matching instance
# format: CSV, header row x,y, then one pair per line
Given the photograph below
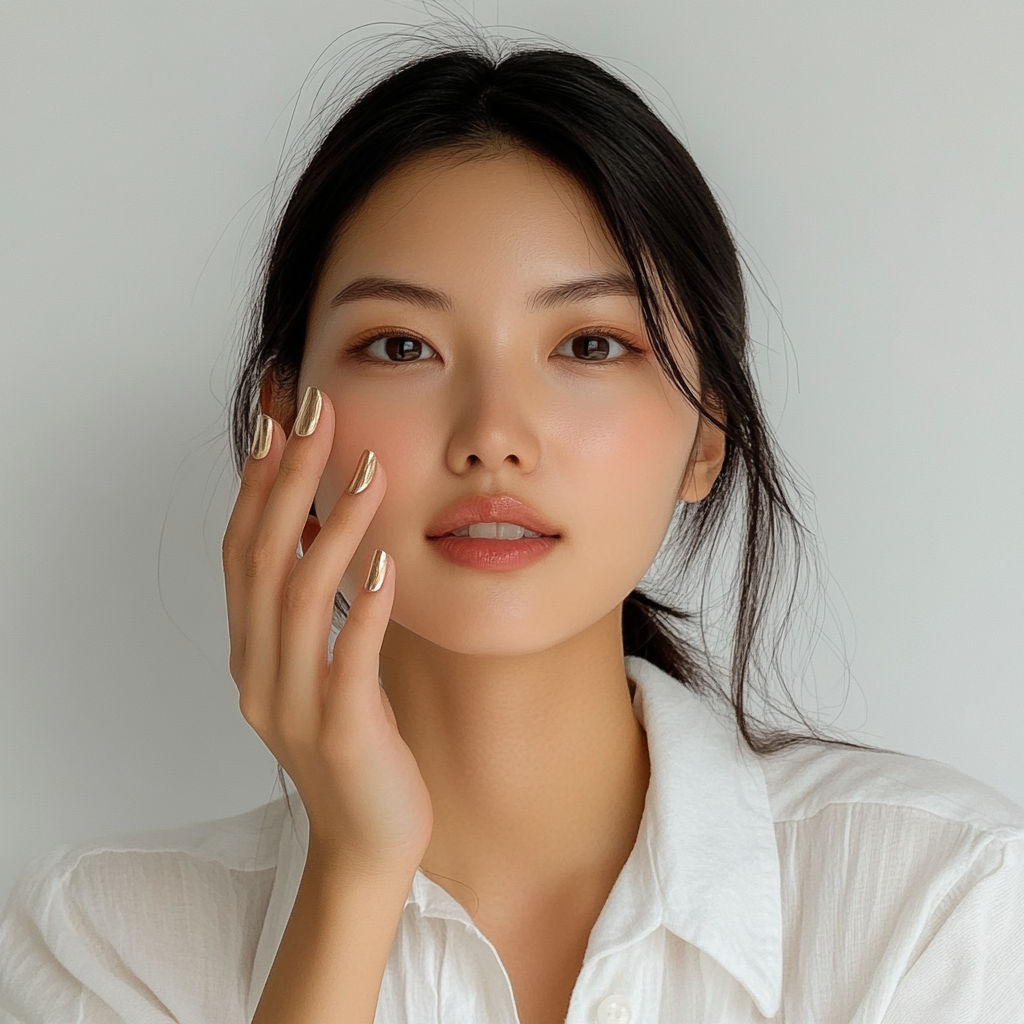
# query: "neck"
x,y
536,766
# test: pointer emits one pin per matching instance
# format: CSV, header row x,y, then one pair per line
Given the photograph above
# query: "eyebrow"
x,y
614,283
392,288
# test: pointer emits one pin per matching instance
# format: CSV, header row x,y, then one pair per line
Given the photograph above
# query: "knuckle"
x,y
231,550
257,558
329,749
298,593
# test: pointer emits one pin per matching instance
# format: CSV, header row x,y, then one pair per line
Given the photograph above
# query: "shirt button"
x,y
613,1010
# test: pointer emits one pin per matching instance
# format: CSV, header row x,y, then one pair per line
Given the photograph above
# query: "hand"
x,y
328,723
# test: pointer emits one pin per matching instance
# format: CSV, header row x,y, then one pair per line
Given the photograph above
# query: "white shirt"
x,y
815,886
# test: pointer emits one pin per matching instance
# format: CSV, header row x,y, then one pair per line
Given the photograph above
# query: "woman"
x,y
500,350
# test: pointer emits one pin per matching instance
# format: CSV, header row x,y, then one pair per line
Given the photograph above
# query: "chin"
x,y
483,635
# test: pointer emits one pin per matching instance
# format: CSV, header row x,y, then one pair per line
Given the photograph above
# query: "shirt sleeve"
x,y
126,937
970,968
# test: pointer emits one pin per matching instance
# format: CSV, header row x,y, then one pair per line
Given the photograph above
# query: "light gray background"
x,y
870,157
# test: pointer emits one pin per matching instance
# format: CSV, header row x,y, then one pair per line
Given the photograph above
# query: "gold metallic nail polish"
x,y
309,412
263,437
364,473
378,567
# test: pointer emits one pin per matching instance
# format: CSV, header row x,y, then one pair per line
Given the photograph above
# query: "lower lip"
x,y
495,555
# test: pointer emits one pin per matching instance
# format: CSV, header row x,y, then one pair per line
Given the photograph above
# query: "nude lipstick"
x,y
495,532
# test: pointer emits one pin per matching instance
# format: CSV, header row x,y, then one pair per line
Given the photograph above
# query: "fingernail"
x,y
263,437
364,473
309,412
378,567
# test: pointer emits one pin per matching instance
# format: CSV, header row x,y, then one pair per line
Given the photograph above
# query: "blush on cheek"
x,y
634,478
397,439
356,429
639,446
373,419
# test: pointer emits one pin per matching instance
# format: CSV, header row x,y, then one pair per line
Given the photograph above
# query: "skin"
x,y
502,755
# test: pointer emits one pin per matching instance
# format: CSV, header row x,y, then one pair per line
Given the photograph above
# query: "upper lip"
x,y
490,508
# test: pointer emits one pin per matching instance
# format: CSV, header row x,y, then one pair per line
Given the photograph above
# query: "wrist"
x,y
334,867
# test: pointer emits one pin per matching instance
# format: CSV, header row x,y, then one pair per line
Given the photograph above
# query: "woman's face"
x,y
479,383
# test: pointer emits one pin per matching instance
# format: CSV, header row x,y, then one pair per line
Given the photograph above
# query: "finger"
x,y
308,598
272,552
257,480
352,689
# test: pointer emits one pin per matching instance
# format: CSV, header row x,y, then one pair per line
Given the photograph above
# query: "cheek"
x,y
622,467
626,463
394,431
401,436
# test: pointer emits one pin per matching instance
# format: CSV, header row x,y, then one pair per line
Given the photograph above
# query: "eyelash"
x,y
360,347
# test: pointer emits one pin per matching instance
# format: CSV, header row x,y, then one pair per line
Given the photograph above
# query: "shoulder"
x,y
240,844
157,865
806,780
125,916
890,822
927,865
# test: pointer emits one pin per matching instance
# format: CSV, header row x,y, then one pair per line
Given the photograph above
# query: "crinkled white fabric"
x,y
815,886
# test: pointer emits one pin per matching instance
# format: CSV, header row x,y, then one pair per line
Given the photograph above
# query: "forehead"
x,y
472,215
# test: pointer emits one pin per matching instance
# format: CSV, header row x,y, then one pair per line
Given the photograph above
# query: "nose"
x,y
495,422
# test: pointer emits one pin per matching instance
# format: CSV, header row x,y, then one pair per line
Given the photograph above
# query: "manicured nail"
x,y
263,437
364,473
378,567
309,412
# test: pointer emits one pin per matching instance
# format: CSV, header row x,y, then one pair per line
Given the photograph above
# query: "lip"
x,y
490,508
484,553
493,555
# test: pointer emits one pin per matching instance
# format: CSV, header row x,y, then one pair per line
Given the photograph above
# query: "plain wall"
x,y
869,156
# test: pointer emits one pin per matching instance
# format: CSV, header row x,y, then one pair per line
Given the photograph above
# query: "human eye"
x,y
598,346
392,347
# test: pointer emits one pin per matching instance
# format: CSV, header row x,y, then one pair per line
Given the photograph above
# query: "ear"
x,y
276,400
706,457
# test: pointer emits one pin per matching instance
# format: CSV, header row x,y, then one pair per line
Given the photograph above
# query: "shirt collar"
x,y
707,838
705,864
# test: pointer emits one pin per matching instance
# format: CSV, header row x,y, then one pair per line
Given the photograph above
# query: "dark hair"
x,y
675,241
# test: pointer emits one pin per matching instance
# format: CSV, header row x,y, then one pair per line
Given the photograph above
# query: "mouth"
x,y
491,517
492,532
